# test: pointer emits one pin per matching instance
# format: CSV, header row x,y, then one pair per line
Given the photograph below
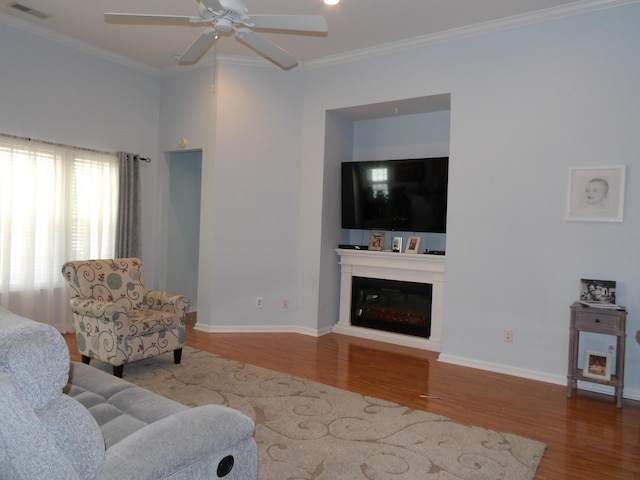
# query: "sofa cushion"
x,y
34,362
27,450
76,434
35,355
120,408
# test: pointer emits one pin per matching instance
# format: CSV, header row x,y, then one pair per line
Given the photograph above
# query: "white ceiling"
x,y
355,26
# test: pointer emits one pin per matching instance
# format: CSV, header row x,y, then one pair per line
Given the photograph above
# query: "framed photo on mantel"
x,y
376,241
413,244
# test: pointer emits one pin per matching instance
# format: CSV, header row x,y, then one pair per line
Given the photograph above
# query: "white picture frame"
x,y
597,365
412,245
596,194
396,244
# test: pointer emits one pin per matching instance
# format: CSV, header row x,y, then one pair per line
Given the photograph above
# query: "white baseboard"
x,y
504,369
262,329
632,394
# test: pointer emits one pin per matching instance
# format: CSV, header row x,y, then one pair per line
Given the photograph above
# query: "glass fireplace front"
x,y
392,305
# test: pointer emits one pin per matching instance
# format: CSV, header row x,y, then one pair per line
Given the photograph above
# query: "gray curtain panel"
x,y
128,231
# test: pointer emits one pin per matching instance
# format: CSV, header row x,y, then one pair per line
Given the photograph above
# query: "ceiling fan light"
x,y
331,2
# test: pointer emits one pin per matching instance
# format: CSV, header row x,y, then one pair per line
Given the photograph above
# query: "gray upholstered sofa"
x,y
99,426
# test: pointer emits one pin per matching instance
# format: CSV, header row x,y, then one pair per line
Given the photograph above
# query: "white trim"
x,y
262,329
469,31
504,369
74,43
388,337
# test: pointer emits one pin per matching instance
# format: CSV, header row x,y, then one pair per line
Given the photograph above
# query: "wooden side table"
x,y
605,321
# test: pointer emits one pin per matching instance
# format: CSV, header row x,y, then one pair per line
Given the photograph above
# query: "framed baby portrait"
x,y
596,194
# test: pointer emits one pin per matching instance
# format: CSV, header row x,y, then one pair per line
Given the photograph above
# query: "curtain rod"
x,y
29,139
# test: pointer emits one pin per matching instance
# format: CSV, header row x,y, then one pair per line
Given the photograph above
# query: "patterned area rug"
x,y
307,430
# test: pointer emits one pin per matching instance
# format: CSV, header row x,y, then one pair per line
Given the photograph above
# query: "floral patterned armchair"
x,y
117,320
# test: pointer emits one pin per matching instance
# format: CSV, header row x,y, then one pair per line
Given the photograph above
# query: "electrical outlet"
x,y
258,302
285,303
508,335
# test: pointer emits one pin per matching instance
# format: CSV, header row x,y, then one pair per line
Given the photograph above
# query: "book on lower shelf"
x,y
610,306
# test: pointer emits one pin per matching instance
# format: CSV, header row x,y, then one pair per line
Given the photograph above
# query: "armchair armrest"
x,y
158,300
165,448
107,311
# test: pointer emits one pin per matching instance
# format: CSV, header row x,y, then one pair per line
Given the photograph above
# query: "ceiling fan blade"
x,y
265,48
214,5
301,23
198,47
150,19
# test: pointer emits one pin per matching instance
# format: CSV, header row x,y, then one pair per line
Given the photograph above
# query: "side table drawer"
x,y
598,322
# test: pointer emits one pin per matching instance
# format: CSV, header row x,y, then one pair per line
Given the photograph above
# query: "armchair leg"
x,y
117,370
86,359
177,355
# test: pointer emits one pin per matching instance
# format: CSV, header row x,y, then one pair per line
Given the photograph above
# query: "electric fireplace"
x,y
427,271
392,305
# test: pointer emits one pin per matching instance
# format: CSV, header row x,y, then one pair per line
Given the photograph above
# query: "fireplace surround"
x,y
427,270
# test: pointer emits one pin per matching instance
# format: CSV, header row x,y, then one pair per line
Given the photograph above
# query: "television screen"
x,y
401,195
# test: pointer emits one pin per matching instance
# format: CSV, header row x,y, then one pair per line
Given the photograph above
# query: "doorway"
x,y
183,241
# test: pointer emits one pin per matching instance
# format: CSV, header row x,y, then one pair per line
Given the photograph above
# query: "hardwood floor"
x,y
587,437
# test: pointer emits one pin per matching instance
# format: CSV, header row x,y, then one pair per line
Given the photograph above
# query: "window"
x,y
379,178
57,203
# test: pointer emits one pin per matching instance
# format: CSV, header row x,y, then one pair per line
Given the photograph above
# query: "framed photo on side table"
x,y
376,241
412,245
597,365
596,194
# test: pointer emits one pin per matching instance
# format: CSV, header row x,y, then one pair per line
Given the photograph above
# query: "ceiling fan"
x,y
226,16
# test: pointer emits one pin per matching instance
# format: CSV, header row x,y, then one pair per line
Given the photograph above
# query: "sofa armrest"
x,y
107,311
169,446
158,300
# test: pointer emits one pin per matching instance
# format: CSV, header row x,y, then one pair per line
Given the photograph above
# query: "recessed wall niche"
x,y
414,126
409,128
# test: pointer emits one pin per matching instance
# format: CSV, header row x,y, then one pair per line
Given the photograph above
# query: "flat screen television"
x,y
402,195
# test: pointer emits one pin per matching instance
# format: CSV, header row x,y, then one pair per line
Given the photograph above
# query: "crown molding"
x,y
74,43
581,7
468,32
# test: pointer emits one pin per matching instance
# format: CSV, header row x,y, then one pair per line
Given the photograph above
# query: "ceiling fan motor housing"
x,y
223,25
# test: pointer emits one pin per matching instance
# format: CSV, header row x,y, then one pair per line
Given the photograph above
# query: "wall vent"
x,y
31,11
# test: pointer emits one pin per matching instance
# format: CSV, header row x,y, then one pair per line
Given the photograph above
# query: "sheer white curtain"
x,y
57,203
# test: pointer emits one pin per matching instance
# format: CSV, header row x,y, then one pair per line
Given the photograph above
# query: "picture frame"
x,y
376,241
413,244
598,292
396,244
596,194
597,365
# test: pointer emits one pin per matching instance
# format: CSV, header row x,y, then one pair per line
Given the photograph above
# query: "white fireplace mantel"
x,y
408,267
